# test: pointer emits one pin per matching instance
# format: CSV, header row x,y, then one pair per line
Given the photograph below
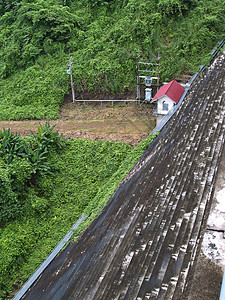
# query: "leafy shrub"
x,y
36,29
11,146
20,171
47,137
172,7
9,203
36,204
21,161
34,93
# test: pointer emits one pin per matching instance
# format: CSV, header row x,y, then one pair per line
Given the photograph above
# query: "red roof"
x,y
172,89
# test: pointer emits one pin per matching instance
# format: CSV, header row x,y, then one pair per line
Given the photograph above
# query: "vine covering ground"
x,y
104,39
47,183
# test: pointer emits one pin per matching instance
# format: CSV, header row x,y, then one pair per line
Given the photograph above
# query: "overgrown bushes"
x,y
103,38
21,160
45,184
40,199
36,92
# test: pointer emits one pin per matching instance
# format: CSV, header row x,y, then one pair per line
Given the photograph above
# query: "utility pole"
x,y
148,79
69,71
138,78
158,58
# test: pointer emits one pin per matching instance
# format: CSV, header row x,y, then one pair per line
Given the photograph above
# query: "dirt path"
x,y
119,123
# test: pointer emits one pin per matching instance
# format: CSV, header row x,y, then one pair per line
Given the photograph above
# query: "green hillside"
x,y
46,184
103,38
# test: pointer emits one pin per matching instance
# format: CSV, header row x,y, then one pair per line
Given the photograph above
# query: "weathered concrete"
x,y
145,242
209,268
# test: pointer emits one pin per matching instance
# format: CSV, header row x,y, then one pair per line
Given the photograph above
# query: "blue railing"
x,y
217,49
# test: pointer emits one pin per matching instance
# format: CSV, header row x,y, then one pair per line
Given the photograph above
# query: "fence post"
x,y
71,77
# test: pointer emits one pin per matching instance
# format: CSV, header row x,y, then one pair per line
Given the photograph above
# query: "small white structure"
x,y
148,94
164,105
167,96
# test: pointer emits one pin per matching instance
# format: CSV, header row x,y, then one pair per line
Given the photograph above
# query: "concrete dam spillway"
x,y
145,242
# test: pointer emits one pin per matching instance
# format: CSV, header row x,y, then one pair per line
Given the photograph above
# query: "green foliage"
x,y
34,93
103,38
172,8
33,29
51,205
11,146
20,171
47,138
44,141
9,204
195,36
21,161
14,171
8,5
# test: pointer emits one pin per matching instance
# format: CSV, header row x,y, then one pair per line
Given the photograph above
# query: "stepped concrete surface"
x,y
145,243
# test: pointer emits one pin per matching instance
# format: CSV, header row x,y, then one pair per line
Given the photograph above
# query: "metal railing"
x,y
214,52
48,260
217,49
106,100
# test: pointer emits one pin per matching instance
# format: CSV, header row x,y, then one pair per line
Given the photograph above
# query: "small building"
x,y
168,96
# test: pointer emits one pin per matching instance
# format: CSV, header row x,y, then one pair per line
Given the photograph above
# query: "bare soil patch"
x,y
128,123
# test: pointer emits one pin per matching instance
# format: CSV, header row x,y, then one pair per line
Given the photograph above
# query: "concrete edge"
x,y
48,260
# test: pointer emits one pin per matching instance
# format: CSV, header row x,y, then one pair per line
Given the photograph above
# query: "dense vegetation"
x,y
46,184
103,38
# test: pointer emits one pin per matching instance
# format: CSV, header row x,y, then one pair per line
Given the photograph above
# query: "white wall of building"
x,y
164,105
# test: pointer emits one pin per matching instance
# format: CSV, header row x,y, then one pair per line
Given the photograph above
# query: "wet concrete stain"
x,y
147,239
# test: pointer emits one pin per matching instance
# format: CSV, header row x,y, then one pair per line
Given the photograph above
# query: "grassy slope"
x,y
85,176
104,38
104,42
53,204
